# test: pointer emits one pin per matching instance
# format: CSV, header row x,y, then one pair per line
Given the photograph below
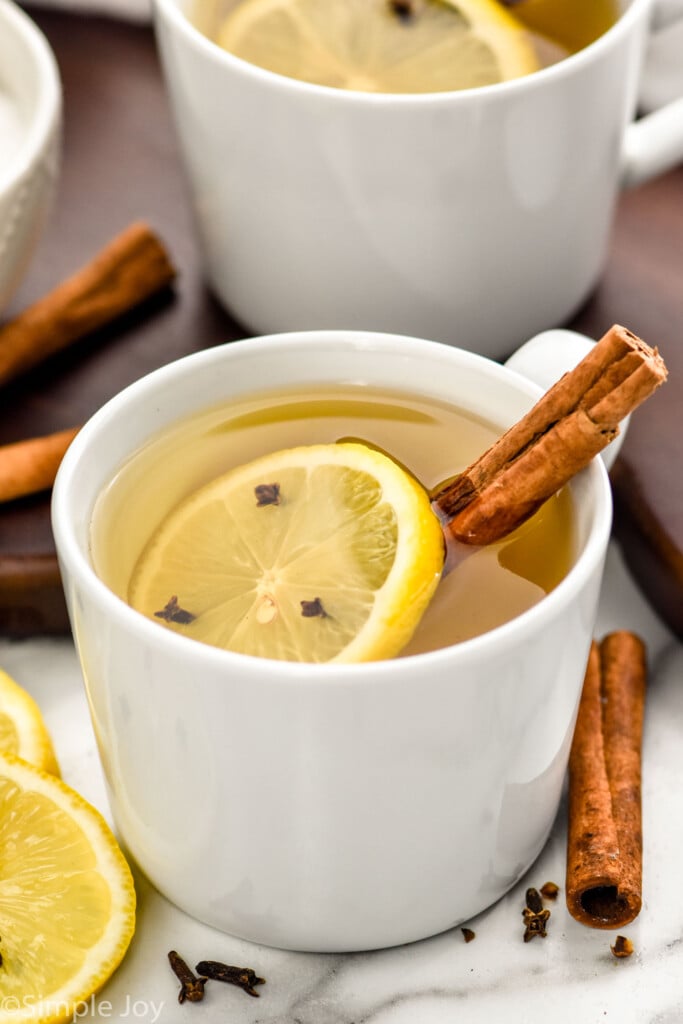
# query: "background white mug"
x,y
476,218
327,807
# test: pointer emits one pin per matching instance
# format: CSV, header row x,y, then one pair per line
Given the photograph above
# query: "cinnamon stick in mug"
x,y
131,268
27,467
605,839
570,424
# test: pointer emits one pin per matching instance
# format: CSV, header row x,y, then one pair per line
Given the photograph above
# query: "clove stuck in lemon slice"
x,y
314,554
391,46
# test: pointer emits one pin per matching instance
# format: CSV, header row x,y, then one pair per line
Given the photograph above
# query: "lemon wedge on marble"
x,y
22,729
67,901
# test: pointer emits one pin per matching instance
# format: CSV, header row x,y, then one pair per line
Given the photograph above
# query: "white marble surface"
x,y
569,978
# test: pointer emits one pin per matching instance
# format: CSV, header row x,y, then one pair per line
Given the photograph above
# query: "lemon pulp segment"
x,y
22,729
67,901
377,46
320,553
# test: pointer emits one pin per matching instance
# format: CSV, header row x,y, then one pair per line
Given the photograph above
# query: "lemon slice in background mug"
x,y
22,729
67,900
380,46
320,553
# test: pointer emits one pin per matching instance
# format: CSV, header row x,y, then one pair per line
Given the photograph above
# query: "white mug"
x,y
476,218
327,807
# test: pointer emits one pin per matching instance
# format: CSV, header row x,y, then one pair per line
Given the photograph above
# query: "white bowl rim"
x,y
511,633
49,104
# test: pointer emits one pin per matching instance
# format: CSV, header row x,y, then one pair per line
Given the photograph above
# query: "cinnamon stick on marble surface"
x,y
573,421
605,837
131,268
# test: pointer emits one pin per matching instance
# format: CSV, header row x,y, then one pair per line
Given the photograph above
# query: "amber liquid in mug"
x,y
572,24
433,440
553,29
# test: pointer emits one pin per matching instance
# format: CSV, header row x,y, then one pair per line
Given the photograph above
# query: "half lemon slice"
x,y
22,729
316,554
67,901
405,46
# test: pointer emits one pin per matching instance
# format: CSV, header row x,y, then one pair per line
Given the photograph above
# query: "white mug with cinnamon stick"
x,y
330,806
477,217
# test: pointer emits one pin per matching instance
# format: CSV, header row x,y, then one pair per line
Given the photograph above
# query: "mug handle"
x,y
653,144
544,358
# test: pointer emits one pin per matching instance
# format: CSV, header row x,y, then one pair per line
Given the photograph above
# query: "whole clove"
x,y
535,916
403,9
550,891
311,609
267,494
191,987
622,947
172,612
244,977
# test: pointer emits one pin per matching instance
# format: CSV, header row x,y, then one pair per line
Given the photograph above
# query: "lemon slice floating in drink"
x,y
22,729
393,46
67,901
316,554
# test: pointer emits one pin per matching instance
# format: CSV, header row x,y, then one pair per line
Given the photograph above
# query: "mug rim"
x,y
48,107
79,565
173,12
